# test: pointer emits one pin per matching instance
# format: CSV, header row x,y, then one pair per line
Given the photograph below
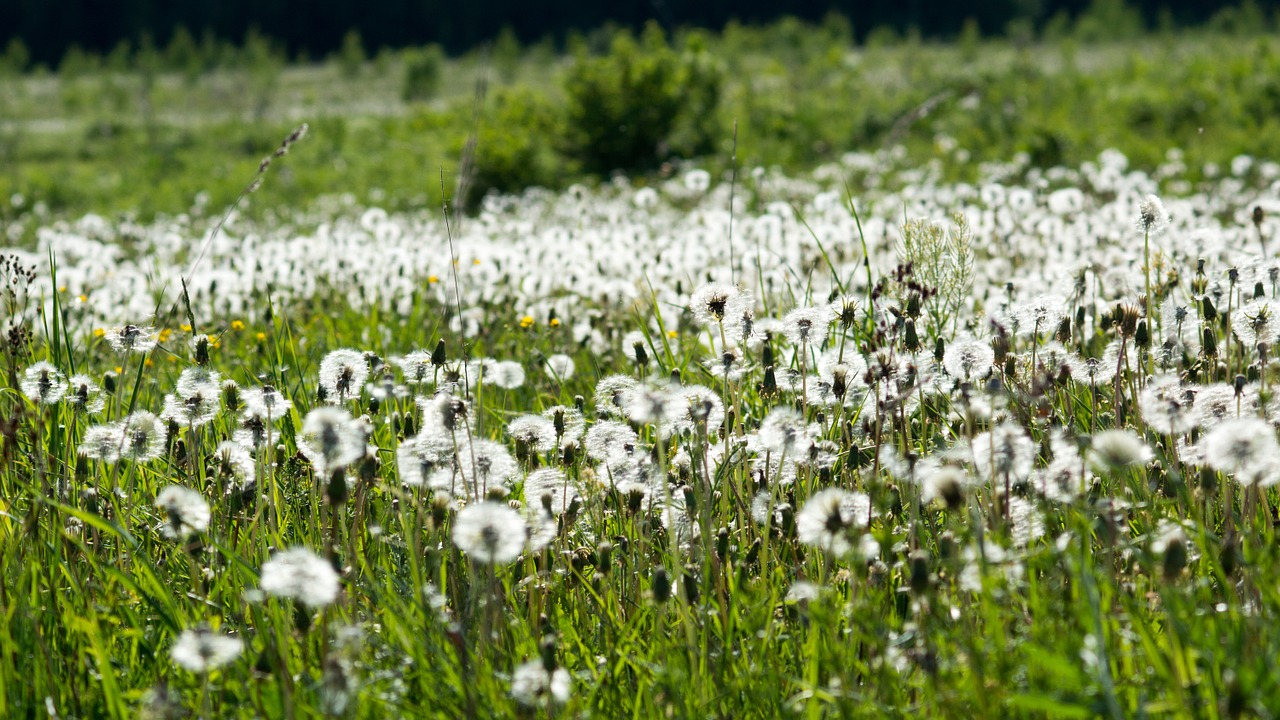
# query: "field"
x,y
967,423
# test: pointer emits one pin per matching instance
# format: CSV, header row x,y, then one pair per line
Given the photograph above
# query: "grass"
x,y
903,491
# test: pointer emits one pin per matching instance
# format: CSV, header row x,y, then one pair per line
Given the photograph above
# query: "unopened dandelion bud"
x,y
912,340
1010,366
1063,333
337,487
604,556
770,384
690,501
1175,558
547,649
635,500
1000,345
919,573
675,376
109,381
939,350
301,618
438,356
1229,556
231,395
1258,216
1208,310
440,503
767,356
1240,382
1258,291
641,355
661,586
691,593
1209,343
1142,337
1233,275
580,403
722,543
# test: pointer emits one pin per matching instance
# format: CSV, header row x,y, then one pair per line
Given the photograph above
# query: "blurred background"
x,y
154,107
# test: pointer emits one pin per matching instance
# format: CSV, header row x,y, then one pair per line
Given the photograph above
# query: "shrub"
x,y
623,107
514,144
423,70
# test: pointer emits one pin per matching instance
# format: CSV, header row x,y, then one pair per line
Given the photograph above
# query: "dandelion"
x,y
1118,449
330,439
267,403
551,489
201,650
43,383
609,438
486,464
710,304
610,392
417,367
131,338
198,409
568,422
534,432
1167,406
806,326
784,432
1152,216
490,533
560,367
425,460
186,512
1245,448
533,686
1004,453
84,395
301,575
232,462
102,442
828,518
343,373
142,436
968,359
509,374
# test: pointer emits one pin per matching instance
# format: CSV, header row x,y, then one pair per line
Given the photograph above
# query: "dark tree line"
x,y
317,27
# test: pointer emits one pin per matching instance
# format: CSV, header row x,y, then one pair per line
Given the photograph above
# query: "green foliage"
x,y
511,153
351,57
16,57
942,261
507,54
423,70
624,107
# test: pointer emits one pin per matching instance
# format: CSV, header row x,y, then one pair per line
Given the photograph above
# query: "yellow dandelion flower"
x,y
237,324
555,322
672,334
99,332
184,327
476,261
82,298
262,336
526,322
432,279
165,334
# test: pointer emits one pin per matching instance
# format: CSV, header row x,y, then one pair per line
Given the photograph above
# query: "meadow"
x,y
942,428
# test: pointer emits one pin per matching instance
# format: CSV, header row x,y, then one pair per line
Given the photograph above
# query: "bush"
x,y
514,145
422,72
623,107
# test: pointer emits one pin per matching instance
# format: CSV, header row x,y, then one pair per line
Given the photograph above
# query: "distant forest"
x,y
316,28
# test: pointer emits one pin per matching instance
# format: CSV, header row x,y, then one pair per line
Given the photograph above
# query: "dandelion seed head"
x,y
186,512
201,650
490,533
301,575
43,383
